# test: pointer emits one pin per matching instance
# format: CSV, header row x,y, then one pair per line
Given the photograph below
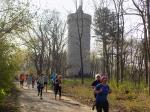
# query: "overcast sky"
x,y
63,6
67,6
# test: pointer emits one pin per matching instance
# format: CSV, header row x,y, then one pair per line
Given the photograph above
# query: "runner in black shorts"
x,y
57,86
45,82
94,84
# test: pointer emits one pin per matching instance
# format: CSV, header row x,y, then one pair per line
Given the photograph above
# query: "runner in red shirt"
x,y
21,80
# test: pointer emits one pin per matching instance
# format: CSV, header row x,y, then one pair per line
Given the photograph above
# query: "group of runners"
x,y
99,86
28,79
56,81
101,91
42,83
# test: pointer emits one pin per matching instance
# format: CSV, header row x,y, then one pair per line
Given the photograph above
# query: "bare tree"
x,y
46,43
79,22
143,11
118,5
105,25
14,18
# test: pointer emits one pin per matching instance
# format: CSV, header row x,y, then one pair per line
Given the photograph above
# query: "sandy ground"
x,y
30,102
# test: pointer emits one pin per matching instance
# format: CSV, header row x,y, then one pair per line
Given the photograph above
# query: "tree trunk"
x,y
118,35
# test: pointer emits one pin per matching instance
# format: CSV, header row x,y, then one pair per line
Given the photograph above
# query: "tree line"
x,y
13,19
125,55
121,55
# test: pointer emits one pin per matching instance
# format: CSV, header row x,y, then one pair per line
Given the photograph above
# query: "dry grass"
x,y
119,100
82,93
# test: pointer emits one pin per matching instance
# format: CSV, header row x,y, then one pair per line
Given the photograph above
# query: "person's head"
x,y
97,77
104,79
59,77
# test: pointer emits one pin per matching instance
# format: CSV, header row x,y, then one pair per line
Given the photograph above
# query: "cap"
x,y
97,75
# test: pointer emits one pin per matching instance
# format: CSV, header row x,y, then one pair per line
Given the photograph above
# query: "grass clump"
x,y
9,102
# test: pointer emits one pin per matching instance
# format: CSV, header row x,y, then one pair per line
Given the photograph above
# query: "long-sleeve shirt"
x,y
102,96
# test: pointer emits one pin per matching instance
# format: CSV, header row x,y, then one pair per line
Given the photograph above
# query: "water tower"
x,y
78,22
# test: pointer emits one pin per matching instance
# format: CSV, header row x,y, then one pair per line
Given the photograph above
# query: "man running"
x,y
40,85
94,84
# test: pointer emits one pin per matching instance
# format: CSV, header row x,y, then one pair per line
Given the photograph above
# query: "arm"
x,y
93,85
109,90
60,83
56,82
98,91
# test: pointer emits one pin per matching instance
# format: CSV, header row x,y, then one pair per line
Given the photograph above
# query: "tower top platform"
x,y
80,14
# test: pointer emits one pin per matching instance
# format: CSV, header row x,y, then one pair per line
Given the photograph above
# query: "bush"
x,y
8,67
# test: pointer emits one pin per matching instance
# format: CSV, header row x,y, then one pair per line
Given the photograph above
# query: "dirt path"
x,y
30,102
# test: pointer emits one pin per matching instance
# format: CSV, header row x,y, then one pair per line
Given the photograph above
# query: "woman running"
x,y
102,90
57,86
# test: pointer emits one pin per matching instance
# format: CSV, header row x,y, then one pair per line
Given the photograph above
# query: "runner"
x,y
102,90
33,81
53,78
29,80
57,86
21,78
40,85
94,84
45,82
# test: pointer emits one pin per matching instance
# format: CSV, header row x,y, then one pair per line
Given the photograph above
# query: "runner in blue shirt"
x,y
53,78
102,90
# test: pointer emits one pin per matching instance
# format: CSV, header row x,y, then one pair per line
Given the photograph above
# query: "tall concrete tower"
x,y
78,22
